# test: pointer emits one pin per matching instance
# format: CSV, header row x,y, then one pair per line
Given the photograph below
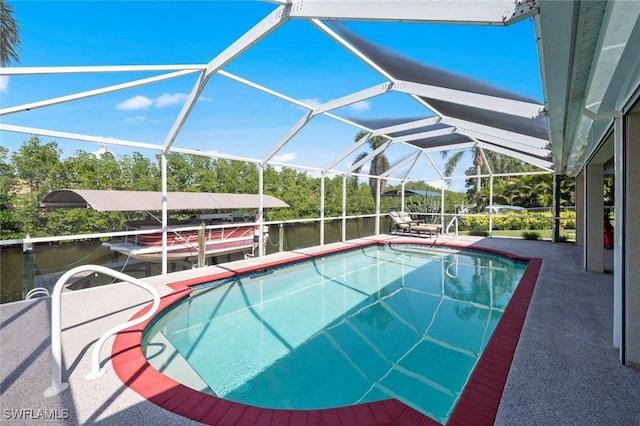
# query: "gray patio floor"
x,y
565,370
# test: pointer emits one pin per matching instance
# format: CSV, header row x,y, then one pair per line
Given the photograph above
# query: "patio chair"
x,y
399,224
406,217
433,229
421,227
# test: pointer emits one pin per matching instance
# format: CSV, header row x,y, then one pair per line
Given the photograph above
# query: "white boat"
x,y
184,245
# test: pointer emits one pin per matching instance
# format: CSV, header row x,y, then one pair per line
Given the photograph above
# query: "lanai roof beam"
x,y
285,97
76,136
288,136
353,98
401,163
506,143
488,131
464,145
266,26
415,124
351,48
425,135
350,150
372,154
486,12
214,155
433,164
476,100
543,164
95,92
263,89
97,69
404,178
485,159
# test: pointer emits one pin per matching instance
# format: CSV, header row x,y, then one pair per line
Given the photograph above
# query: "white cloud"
x,y
313,173
4,83
134,119
435,183
137,102
167,99
311,101
360,106
100,151
285,157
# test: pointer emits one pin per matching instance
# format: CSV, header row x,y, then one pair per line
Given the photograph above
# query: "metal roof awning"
x,y
104,201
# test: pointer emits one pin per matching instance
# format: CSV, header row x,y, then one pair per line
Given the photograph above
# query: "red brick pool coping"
x,y
477,405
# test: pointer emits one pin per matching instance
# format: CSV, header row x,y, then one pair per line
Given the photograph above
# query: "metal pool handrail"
x,y
453,220
37,291
57,386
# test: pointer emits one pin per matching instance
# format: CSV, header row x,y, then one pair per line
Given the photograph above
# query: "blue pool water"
x,y
380,322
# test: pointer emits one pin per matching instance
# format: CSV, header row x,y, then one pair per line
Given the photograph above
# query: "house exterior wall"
x,y
632,241
580,210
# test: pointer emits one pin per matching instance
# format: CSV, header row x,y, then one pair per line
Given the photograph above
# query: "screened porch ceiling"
x,y
585,53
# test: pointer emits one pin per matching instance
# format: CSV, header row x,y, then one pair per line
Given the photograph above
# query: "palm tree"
x,y
452,163
9,35
379,164
499,163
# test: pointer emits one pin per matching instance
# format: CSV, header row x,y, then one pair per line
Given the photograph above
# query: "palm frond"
x,y
9,35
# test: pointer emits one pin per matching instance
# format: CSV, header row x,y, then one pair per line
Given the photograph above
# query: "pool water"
x,y
375,323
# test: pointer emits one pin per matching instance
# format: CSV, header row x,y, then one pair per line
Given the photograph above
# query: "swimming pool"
x,y
385,321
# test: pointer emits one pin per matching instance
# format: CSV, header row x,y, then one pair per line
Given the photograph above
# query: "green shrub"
x,y
568,220
474,222
517,221
530,235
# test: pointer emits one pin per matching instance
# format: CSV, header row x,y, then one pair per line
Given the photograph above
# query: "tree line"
x,y
527,190
37,168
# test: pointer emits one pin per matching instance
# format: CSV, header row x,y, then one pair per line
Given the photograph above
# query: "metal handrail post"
x,y
453,220
57,386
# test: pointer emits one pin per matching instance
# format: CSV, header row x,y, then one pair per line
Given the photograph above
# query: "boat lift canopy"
x,y
104,201
410,192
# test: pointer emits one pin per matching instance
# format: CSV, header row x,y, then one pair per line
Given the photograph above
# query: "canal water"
x,y
19,272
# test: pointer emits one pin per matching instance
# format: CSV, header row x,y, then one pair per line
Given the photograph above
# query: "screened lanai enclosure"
x,y
430,109
388,69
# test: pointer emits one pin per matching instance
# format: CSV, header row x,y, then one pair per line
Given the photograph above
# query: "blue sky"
x,y
297,60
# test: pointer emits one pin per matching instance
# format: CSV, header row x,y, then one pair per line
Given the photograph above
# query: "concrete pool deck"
x,y
565,370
